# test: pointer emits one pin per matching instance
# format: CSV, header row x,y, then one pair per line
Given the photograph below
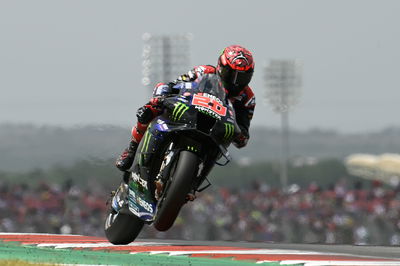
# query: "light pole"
x,y
283,82
165,57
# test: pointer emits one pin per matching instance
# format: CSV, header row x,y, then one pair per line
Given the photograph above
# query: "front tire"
x,y
121,228
176,190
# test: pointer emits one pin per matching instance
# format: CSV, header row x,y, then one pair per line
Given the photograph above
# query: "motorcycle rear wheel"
x,y
121,228
176,190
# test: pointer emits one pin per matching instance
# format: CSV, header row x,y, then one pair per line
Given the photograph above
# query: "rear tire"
x,y
176,190
121,228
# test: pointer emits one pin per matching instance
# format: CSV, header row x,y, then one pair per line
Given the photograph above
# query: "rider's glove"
x,y
182,78
190,76
156,101
144,114
241,140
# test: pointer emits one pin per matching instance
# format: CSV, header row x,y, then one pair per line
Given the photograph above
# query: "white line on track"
x,y
238,252
255,252
37,234
99,245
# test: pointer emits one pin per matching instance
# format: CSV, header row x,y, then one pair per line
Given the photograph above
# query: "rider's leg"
x,y
145,115
125,160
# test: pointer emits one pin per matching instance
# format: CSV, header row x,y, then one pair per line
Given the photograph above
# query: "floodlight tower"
x,y
283,80
165,57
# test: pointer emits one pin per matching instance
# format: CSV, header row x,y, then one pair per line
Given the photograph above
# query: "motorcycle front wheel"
x,y
176,190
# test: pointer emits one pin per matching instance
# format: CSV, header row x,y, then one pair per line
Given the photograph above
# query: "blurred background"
x,y
322,167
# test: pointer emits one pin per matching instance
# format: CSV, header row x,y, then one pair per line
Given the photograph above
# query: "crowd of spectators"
x,y
52,208
340,214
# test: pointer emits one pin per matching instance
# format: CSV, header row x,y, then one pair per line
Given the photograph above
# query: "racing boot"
x,y
125,160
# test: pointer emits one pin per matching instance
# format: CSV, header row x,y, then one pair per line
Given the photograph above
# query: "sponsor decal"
x,y
229,131
133,209
179,110
183,99
162,126
140,180
147,206
208,112
145,147
132,202
209,104
139,201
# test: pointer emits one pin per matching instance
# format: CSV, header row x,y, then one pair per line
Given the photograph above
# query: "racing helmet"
x,y
235,67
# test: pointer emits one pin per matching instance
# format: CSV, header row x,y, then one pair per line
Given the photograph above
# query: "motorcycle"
x,y
173,159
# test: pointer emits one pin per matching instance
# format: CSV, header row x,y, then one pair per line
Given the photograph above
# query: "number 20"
x,y
209,103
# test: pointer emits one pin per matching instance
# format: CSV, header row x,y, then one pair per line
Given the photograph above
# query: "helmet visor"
x,y
236,77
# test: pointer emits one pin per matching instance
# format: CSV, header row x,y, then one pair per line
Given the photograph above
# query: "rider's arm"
x,y
147,112
244,109
195,73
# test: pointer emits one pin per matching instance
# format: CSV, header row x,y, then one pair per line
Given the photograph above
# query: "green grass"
x,y
22,263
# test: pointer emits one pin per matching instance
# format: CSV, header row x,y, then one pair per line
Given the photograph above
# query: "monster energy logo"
x,y
179,110
229,130
145,147
147,137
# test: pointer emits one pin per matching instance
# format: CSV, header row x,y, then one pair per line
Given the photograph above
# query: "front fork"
x,y
165,169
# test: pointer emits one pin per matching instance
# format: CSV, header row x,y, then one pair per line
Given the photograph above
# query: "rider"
x,y
235,67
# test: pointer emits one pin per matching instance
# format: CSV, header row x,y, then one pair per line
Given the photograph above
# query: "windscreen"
x,y
211,84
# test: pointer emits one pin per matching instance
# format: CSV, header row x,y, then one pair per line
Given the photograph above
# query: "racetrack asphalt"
x,y
86,250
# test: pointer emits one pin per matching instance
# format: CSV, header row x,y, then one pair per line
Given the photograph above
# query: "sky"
x,y
70,62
